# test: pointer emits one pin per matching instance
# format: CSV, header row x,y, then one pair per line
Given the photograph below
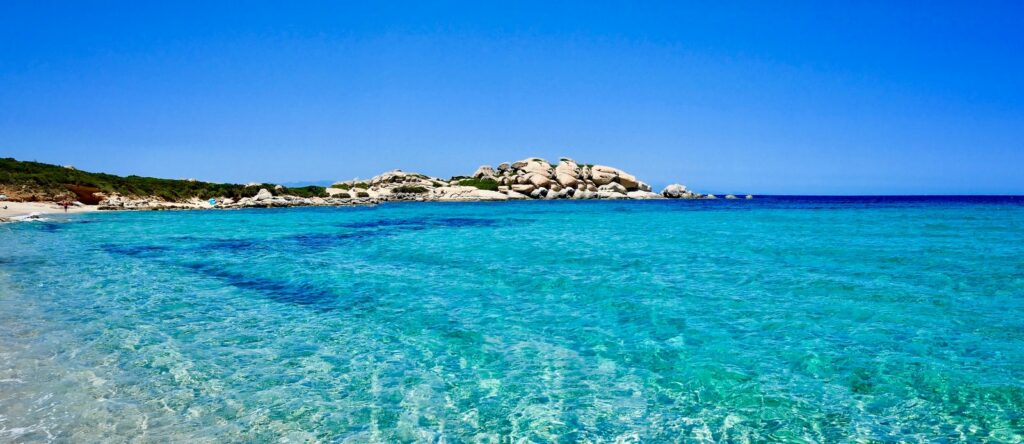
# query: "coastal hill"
x,y
35,181
532,178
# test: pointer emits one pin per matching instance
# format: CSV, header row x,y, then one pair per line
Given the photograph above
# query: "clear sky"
x,y
809,97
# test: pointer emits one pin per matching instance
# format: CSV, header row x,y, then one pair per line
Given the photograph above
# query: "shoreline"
x,y
29,211
20,211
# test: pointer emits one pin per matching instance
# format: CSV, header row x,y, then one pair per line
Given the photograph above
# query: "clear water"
x,y
785,319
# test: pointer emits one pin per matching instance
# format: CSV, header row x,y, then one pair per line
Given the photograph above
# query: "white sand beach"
x,y
15,209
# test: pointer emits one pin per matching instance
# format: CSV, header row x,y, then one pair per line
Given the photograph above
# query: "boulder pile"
x,y
677,191
531,178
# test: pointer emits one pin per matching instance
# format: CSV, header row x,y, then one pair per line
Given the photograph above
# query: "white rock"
x,y
399,177
540,180
610,195
463,193
674,191
512,195
603,175
567,172
485,171
643,195
539,168
612,187
566,179
523,188
262,195
627,180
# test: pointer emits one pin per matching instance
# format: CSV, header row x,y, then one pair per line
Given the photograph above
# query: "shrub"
x,y
362,194
54,180
345,186
343,195
410,189
483,184
308,191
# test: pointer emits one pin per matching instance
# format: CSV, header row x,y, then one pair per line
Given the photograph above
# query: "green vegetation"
x,y
307,191
45,181
362,194
343,195
345,186
410,189
483,184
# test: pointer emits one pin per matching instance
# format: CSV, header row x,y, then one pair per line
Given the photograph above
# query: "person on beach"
x,y
65,206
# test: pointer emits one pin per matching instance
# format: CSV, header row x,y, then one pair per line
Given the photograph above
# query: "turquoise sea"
x,y
778,319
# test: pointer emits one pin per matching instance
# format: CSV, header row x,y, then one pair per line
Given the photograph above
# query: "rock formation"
x,y
530,178
677,191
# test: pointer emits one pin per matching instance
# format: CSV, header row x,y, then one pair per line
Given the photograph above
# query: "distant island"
x,y
531,178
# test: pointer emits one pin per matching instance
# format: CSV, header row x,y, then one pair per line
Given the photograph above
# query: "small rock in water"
x,y
674,191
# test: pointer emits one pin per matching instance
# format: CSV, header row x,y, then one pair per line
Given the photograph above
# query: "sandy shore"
x,y
14,209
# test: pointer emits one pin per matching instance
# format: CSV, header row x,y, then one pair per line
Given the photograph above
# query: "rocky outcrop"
x,y
539,179
677,191
86,194
674,191
530,178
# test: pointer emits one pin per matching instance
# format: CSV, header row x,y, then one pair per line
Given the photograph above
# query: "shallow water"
x,y
778,319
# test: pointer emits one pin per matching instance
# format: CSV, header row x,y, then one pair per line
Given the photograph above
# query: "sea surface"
x,y
790,319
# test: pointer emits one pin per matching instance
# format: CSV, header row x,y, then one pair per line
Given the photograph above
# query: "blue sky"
x,y
790,97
